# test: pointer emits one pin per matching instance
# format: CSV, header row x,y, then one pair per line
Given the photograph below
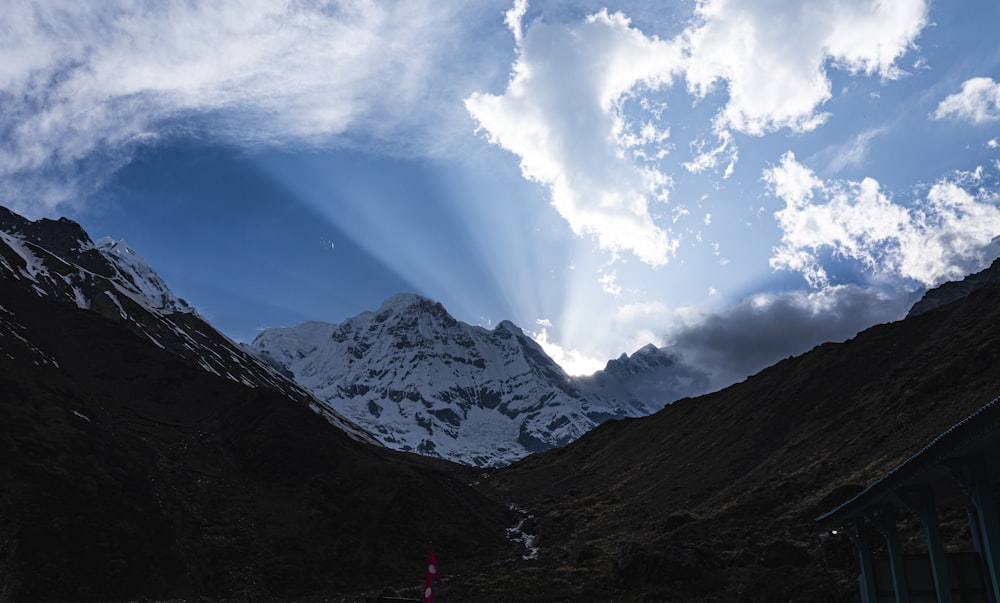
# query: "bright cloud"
x,y
562,115
978,102
772,56
590,110
725,149
563,110
939,237
573,361
609,283
101,79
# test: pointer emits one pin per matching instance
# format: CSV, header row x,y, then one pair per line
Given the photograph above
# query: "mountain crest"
x,y
140,276
423,381
56,259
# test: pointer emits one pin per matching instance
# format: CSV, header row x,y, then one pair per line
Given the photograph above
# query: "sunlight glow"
x,y
574,362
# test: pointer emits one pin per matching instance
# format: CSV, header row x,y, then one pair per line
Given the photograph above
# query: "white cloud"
x,y
573,361
978,102
563,111
706,160
772,56
649,321
81,80
609,283
514,17
561,114
940,237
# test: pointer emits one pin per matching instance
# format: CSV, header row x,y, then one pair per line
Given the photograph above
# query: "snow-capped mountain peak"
x,y
426,382
56,259
643,359
423,381
651,378
138,276
406,301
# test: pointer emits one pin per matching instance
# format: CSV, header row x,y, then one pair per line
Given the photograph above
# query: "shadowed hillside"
x,y
128,471
713,498
143,455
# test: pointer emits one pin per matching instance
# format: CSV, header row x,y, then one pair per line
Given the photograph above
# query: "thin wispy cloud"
x,y
708,159
853,153
103,79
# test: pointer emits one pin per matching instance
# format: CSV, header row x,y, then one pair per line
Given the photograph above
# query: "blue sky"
x,y
739,180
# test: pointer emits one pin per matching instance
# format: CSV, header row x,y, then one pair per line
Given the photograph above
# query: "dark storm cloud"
x,y
762,330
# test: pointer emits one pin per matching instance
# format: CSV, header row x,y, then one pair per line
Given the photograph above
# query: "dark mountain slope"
x,y
129,471
713,498
57,259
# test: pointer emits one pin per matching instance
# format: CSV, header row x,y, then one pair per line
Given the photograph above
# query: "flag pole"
x,y
431,577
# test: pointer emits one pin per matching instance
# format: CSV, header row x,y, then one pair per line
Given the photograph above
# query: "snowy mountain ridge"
x,y
138,276
422,381
413,375
81,264
58,260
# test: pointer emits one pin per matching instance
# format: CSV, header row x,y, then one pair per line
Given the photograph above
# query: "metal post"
x,y
921,500
971,474
884,520
856,532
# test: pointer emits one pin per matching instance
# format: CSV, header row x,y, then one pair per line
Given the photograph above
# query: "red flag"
x,y
432,574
